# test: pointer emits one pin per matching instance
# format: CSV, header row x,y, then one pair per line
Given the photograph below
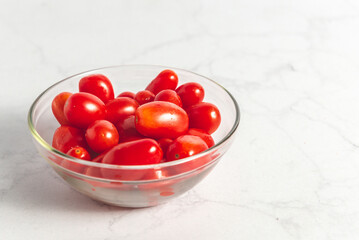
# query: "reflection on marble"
x,y
293,171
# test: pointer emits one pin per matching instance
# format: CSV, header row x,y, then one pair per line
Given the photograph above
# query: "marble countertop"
x,y
293,170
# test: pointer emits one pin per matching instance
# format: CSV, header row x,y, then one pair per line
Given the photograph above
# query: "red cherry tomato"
x,y
165,188
190,93
127,130
66,137
193,164
93,172
120,108
98,85
57,107
155,174
101,135
143,97
73,166
164,144
161,120
139,152
169,96
204,116
81,109
122,174
185,146
202,134
167,79
79,152
96,172
127,94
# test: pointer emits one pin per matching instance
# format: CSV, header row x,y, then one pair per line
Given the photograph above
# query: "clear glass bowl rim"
x,y
48,147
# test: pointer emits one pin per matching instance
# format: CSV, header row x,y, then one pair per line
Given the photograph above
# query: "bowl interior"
x,y
134,78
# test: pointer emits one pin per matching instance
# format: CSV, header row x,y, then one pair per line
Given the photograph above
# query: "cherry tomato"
x,y
66,137
127,130
143,97
202,134
164,187
101,135
161,120
193,164
164,144
204,116
57,107
127,94
169,96
79,152
120,108
93,172
190,93
185,146
73,166
81,109
139,152
167,79
98,85
153,174
96,172
122,174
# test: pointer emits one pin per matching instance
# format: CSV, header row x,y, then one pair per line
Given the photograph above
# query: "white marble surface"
x,y
293,172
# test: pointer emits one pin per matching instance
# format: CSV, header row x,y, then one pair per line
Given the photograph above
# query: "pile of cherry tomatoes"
x,y
159,124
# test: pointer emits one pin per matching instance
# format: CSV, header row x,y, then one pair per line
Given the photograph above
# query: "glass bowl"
x,y
140,185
